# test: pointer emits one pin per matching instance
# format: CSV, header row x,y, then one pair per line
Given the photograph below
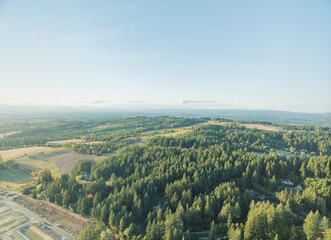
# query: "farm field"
x,y
20,152
66,159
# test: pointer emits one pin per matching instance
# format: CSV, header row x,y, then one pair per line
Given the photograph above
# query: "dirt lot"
x,y
20,152
69,222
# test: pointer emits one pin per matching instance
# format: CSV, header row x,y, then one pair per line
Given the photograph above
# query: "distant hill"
x,y
79,113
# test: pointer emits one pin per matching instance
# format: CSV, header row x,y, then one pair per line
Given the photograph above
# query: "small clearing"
x,y
216,123
61,142
261,127
67,160
72,141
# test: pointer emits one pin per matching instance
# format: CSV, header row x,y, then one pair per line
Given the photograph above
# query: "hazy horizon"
x,y
250,55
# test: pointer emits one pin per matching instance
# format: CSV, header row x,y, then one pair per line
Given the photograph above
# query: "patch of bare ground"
x,y
261,127
68,221
20,152
66,161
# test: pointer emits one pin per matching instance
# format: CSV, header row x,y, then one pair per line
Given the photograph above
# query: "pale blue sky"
x,y
273,55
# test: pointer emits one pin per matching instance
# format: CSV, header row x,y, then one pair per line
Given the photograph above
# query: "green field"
x,y
14,178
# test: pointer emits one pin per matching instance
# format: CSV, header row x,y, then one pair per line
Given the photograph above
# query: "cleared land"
x,y
72,141
66,160
20,152
261,127
4,208
60,142
2,135
14,178
11,220
57,160
68,221
257,126
38,232
22,223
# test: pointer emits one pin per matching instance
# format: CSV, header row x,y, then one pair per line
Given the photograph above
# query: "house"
x,y
287,182
299,187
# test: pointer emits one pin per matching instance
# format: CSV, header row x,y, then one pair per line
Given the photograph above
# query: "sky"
x,y
257,54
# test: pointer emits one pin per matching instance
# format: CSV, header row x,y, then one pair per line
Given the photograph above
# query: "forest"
x,y
226,181
110,134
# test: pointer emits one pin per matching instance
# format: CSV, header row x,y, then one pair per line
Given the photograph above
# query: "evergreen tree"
x,y
311,226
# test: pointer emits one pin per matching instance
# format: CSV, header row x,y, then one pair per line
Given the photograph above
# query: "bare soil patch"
x,y
68,221
20,152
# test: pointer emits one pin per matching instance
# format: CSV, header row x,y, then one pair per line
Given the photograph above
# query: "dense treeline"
x,y
209,180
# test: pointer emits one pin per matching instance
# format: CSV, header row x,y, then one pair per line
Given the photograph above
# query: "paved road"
x,y
34,218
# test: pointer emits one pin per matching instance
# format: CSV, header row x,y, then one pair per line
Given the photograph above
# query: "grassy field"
x,y
20,152
14,178
60,142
